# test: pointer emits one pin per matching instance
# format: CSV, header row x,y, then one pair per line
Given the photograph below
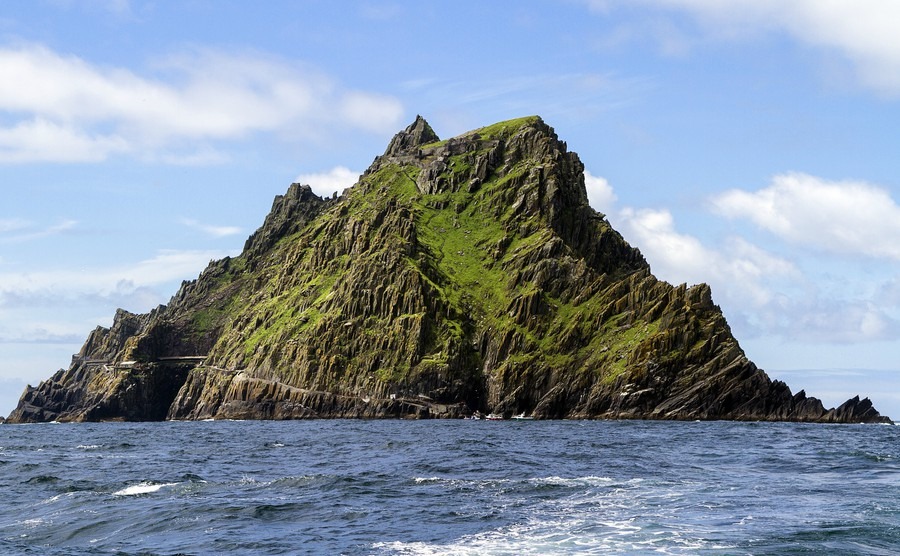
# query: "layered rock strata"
x,y
456,276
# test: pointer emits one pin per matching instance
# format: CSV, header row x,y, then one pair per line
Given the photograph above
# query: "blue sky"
x,y
750,144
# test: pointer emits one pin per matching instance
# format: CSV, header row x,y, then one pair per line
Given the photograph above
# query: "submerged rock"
x,y
456,276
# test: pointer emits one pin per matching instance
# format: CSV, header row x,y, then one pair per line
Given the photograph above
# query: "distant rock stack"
x,y
456,276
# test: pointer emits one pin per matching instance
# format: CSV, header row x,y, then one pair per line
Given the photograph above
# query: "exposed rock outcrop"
x,y
455,276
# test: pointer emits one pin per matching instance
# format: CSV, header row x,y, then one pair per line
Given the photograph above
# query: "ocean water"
x,y
449,487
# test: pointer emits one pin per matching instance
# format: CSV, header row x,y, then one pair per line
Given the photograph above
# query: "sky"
x,y
748,144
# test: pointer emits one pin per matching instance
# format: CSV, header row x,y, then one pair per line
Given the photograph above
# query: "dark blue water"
x,y
449,487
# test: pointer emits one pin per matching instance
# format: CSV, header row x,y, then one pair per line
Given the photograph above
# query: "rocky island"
x,y
456,276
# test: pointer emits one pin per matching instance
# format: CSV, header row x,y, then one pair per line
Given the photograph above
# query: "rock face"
x,y
455,276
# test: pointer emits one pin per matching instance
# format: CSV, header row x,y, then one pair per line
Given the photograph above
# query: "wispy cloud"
x,y
380,11
210,230
13,224
58,307
94,112
44,335
558,96
166,266
865,32
21,231
114,7
120,7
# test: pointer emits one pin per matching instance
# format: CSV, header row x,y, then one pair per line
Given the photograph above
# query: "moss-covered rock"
x,y
456,276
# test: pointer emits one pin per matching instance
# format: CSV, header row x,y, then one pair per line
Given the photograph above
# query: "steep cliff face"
x,y
102,384
459,275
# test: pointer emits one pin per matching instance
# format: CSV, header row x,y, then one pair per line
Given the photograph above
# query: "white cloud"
x,y
837,321
166,266
847,217
739,271
370,112
210,230
766,294
769,295
866,32
57,307
889,292
44,332
326,183
675,257
93,112
42,141
600,193
13,224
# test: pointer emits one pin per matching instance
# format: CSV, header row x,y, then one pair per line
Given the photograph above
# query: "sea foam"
x,y
142,488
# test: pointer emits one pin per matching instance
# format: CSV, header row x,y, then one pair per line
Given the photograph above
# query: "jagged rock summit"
x,y
415,135
456,276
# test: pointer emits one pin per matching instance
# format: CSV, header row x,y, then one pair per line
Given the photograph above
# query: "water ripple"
x,y
442,487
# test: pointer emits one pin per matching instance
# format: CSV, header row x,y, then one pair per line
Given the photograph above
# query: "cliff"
x,y
455,276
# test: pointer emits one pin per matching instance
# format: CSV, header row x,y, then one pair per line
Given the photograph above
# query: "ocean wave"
x,y
431,488
590,480
41,479
571,535
463,483
289,481
33,522
142,488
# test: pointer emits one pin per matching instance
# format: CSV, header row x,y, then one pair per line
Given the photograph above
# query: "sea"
x,y
463,487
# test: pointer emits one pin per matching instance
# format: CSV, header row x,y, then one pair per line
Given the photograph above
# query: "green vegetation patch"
x,y
505,129
500,130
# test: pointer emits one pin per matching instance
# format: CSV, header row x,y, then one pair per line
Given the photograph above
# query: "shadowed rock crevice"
x,y
456,276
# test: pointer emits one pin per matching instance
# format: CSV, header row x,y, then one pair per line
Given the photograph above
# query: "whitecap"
x,y
249,480
54,498
578,535
89,446
590,480
142,488
464,483
32,523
